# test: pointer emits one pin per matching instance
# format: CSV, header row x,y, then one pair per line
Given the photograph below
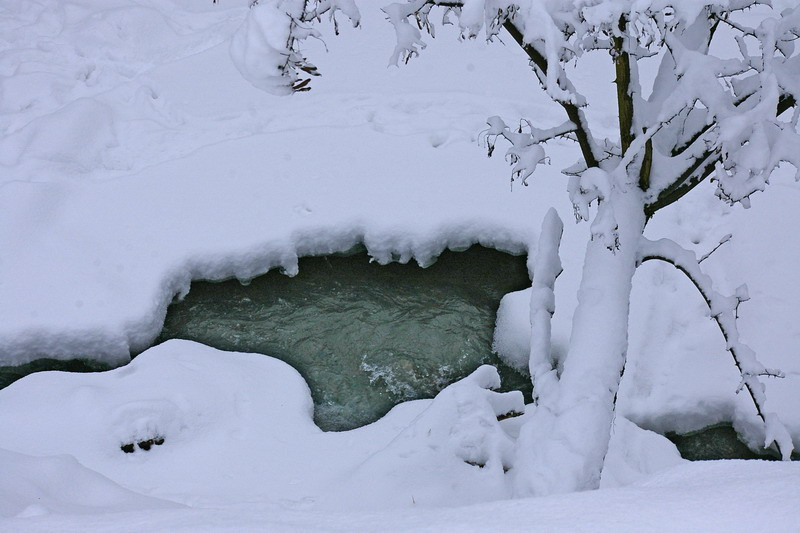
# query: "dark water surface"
x,y
365,336
718,441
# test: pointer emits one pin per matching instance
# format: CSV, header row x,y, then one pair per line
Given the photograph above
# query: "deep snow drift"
x,y
135,158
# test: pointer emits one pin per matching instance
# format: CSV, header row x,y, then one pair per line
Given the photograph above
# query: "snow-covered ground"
x,y
232,446
134,157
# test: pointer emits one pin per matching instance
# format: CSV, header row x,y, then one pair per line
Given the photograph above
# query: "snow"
x,y
35,486
229,421
240,448
187,191
136,157
728,508
512,334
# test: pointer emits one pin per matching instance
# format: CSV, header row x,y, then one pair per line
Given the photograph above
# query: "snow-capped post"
x,y
723,118
545,269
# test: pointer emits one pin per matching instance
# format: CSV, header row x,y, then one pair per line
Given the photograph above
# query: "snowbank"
x,y
235,449
190,424
226,422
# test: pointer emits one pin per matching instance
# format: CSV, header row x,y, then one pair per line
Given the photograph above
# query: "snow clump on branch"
x,y
266,48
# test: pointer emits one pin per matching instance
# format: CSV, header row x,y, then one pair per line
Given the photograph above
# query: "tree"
x,y
725,113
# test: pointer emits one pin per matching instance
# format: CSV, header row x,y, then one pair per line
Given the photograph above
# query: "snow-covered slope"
x,y
150,161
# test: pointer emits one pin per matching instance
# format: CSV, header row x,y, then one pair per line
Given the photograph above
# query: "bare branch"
x,y
738,27
722,241
622,65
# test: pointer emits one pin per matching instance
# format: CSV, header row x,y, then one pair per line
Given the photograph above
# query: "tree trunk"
x,y
563,444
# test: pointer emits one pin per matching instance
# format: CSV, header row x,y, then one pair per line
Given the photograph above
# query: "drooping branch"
x,y
723,310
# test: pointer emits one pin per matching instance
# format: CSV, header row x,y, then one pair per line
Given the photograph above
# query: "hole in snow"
x,y
130,447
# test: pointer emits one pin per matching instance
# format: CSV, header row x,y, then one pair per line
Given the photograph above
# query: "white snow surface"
x,y
134,157
240,452
158,168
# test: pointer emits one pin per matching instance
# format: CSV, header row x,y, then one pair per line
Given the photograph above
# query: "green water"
x,y
10,374
364,336
718,441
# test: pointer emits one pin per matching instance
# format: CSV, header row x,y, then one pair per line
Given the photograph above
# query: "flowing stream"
x,y
364,336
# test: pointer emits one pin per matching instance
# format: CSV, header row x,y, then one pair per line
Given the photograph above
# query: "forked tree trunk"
x,y
563,445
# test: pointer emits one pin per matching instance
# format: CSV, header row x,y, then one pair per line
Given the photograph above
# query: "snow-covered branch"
x,y
525,152
546,268
546,46
708,254
591,152
732,127
266,48
702,164
724,312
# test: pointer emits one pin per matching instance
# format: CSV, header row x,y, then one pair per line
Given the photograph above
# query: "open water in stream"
x,y
365,336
